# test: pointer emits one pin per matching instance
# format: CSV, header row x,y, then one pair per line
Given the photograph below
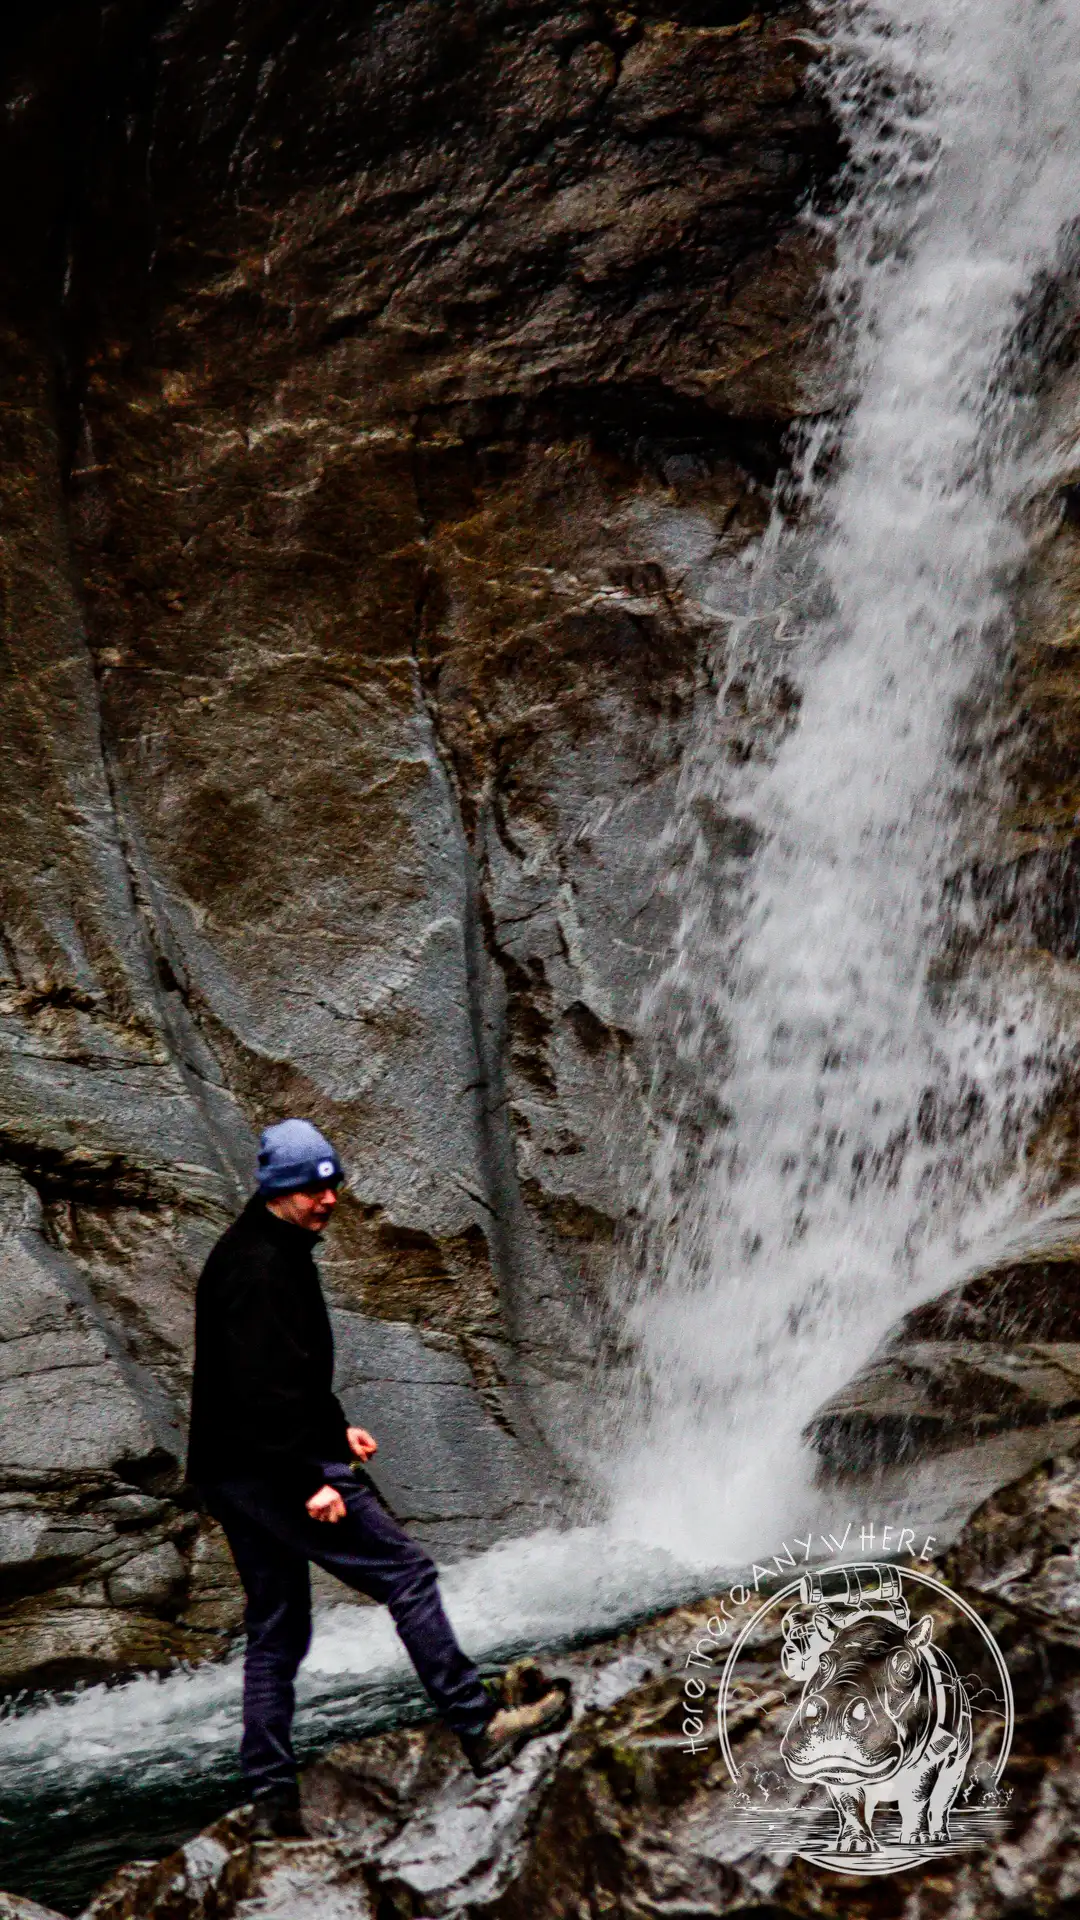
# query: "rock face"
x,y
373,385
618,1817
999,1355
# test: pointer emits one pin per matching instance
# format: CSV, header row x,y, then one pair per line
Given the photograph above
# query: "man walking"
x,y
271,1453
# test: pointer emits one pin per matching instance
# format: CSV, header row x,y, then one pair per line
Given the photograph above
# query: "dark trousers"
x,y
273,1538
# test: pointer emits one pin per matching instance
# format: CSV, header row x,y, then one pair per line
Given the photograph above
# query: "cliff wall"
x,y
375,382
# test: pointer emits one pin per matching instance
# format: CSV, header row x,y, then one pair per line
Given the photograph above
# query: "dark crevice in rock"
x,y
530,1018
503,1204
594,1034
161,969
652,423
1069,498
646,423
101,1179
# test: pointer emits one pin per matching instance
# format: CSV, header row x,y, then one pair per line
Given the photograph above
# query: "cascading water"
x,y
853,1131
866,1122
95,1777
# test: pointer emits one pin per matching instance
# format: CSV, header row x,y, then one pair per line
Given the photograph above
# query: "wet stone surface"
x,y
381,391
997,1355
617,1816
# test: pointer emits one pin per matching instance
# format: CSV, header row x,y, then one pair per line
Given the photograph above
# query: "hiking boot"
x,y
532,1705
276,1816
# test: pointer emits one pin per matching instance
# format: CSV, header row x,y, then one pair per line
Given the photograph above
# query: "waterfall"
x,y
837,1123
842,1099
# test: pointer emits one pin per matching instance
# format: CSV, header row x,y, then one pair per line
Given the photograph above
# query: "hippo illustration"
x,y
836,1598
805,1640
884,1717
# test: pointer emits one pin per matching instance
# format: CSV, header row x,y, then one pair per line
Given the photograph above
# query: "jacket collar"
x,y
298,1240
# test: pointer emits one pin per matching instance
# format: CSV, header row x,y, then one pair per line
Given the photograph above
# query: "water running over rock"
x,y
91,1778
859,1126
848,1107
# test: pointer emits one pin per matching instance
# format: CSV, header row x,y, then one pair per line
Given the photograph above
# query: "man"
x,y
272,1456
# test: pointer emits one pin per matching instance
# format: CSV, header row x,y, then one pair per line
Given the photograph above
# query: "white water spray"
x,y
869,1130
870,1124
129,1762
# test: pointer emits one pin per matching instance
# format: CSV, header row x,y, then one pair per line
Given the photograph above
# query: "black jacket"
x,y
261,1398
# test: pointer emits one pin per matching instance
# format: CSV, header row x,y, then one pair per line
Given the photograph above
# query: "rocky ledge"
x,y
617,1816
996,1355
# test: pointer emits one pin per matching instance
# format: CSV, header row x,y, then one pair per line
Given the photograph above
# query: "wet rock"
x,y
132,1509
448,1468
213,1603
12,1908
64,1400
212,1874
76,1635
1023,1547
148,1579
923,1396
1033,1301
998,1354
618,1816
381,395
92,1579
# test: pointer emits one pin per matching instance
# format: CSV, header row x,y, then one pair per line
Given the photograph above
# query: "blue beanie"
x,y
295,1154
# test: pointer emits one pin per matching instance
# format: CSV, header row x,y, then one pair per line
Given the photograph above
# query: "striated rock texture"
x,y
999,1355
617,1817
373,381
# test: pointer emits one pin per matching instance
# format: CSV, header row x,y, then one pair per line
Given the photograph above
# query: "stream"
x,y
870,1126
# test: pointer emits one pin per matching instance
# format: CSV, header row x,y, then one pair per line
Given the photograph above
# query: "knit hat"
x,y
294,1154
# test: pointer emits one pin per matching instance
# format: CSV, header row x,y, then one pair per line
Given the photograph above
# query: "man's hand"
x,y
326,1505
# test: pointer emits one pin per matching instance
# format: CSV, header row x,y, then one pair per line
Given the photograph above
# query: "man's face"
x,y
309,1207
